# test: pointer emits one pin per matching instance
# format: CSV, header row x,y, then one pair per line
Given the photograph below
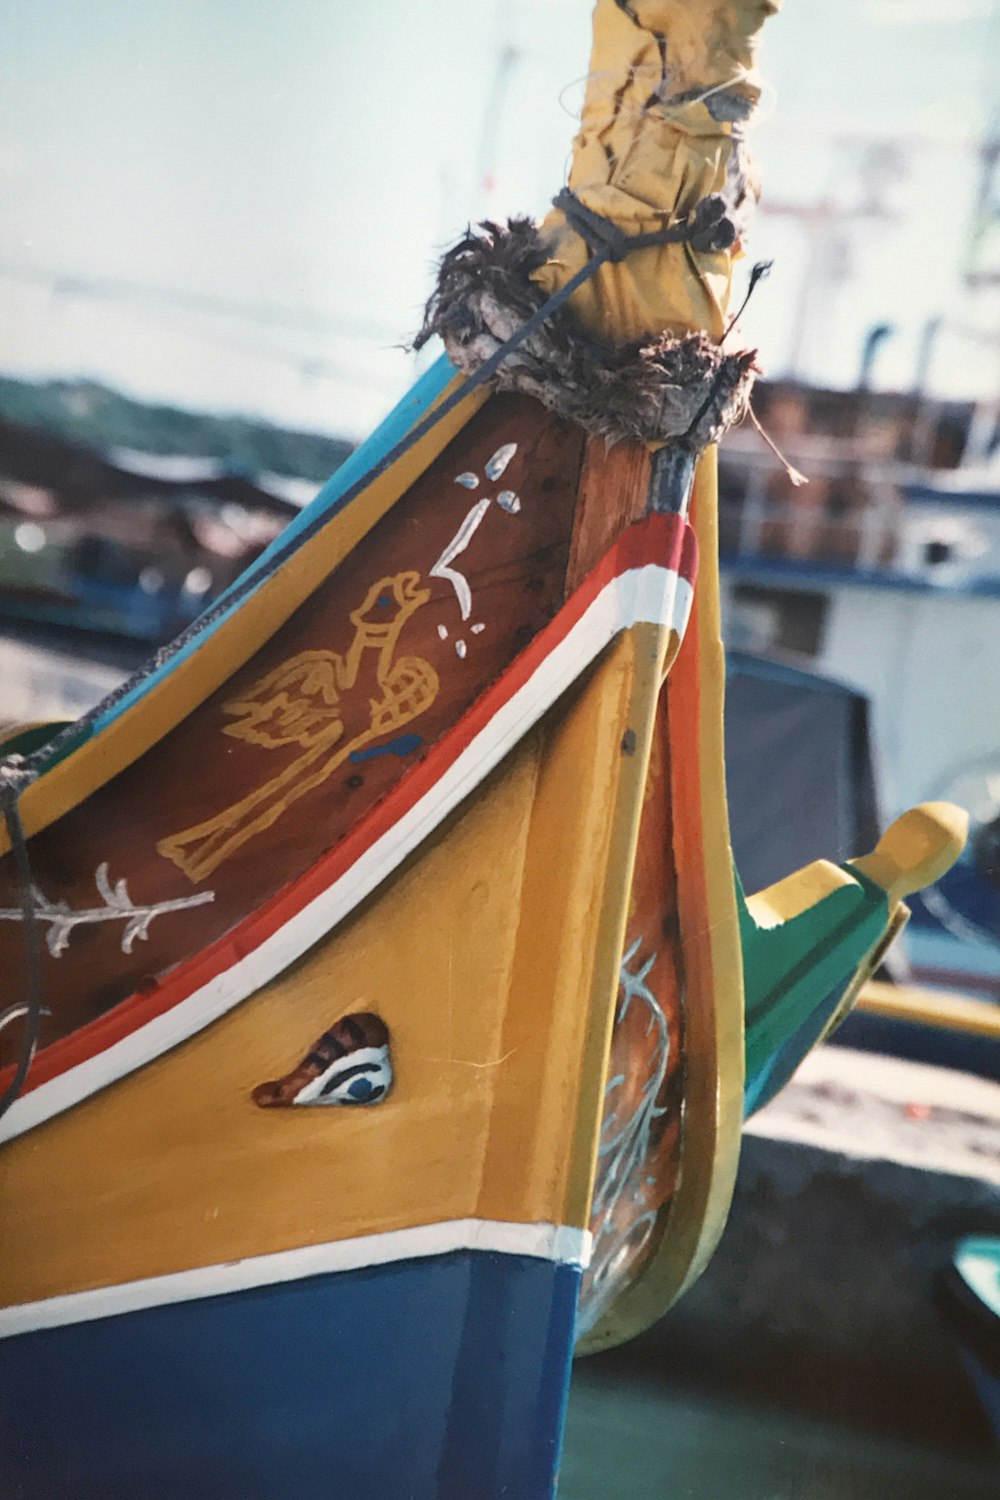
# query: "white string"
x,y
763,110
717,88
613,77
766,106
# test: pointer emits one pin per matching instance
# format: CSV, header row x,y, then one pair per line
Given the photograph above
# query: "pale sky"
x,y
250,197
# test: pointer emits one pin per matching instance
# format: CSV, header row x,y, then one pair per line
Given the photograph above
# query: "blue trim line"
x,y
928,494
792,573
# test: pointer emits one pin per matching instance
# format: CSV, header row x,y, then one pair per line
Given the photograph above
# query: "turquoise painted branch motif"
x,y
625,1146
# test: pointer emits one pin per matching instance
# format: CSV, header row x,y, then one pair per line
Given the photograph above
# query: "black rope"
x,y
708,228
762,269
10,790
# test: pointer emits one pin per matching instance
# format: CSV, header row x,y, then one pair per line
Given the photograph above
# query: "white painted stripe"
x,y
552,1242
650,594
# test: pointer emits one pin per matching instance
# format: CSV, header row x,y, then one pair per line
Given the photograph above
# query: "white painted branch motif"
x,y
118,907
624,1147
463,536
496,465
507,500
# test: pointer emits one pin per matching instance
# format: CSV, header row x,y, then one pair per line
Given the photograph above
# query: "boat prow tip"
x,y
917,849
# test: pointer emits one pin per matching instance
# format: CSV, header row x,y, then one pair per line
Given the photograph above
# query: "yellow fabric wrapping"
x,y
649,149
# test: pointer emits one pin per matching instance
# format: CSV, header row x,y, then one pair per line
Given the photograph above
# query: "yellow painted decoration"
x,y
303,702
649,151
237,639
917,849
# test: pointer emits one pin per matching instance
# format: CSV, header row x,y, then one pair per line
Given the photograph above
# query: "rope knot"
x,y
15,776
602,235
710,227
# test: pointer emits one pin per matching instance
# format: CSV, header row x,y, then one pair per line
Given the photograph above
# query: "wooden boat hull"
x,y
303,764
154,1195
400,1378
159,1188
307,1155
483,1159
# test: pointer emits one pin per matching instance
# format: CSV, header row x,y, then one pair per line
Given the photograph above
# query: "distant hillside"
x,y
89,413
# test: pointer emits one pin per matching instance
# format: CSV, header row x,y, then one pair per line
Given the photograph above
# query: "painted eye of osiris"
x,y
361,1077
349,1064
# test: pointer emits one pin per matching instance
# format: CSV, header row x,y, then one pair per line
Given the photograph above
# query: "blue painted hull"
x,y
436,1379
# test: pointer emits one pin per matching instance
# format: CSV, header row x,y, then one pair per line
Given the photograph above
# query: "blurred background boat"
x,y
133,539
885,574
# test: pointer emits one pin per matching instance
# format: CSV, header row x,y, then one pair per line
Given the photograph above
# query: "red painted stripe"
x,y
666,541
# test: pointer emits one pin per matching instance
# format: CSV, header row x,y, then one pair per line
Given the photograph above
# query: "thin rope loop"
x,y
12,778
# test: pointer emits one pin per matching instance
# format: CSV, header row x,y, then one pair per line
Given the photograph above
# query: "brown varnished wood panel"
x,y
273,770
614,485
637,1169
